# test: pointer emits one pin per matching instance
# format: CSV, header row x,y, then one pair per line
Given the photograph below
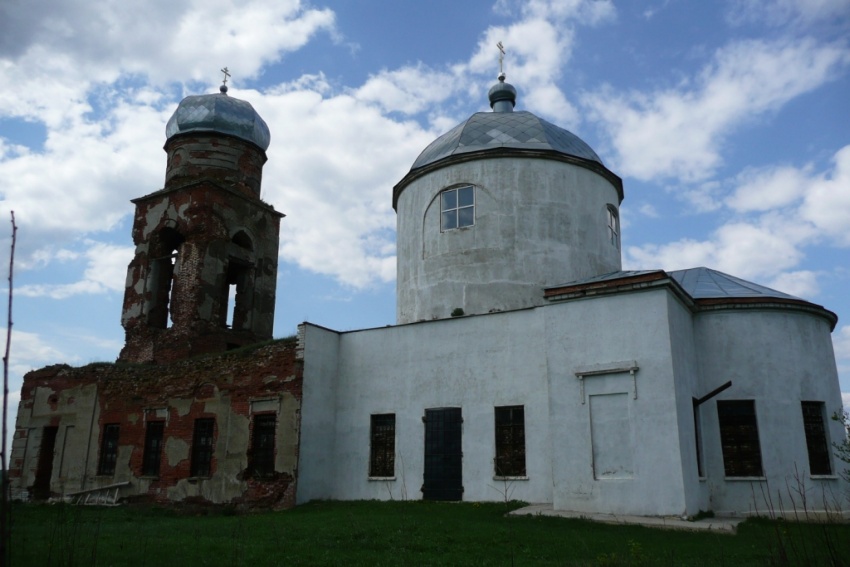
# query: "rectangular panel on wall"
x,y
610,436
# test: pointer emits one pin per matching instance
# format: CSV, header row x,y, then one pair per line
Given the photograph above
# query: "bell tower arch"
x,y
204,273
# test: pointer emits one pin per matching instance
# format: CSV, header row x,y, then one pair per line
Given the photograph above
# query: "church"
x,y
525,363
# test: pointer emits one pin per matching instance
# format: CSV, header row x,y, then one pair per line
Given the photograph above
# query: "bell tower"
x,y
205,268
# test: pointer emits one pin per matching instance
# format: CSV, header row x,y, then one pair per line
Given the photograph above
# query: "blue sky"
x,y
728,122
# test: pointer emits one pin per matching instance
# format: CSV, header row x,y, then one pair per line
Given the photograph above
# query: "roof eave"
x,y
502,152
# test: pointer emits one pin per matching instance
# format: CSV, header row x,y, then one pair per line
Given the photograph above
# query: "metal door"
x,y
443,477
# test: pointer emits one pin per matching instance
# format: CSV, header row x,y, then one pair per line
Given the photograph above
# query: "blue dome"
x,y
515,130
219,113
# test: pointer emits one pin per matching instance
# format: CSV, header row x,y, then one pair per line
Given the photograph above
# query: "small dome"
x,y
504,93
219,113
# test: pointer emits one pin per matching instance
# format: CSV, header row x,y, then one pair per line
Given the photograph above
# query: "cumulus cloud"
x,y
777,213
29,351
678,132
335,184
539,44
104,91
106,268
106,39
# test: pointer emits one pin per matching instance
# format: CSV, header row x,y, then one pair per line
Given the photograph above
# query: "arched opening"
x,y
238,282
164,265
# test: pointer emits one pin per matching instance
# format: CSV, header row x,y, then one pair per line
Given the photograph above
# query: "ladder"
x,y
100,496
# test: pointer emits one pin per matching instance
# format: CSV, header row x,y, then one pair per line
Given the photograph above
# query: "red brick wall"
x,y
186,389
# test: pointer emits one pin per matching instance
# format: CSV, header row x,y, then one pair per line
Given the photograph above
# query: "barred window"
x,y
108,449
739,438
382,445
202,447
510,441
262,445
457,207
153,448
816,438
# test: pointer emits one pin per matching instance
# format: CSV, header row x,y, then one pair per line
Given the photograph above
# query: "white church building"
x,y
526,363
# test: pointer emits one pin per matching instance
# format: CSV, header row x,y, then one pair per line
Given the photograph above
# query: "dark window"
x,y
613,226
108,449
382,447
202,446
457,208
510,441
816,440
153,448
739,438
262,445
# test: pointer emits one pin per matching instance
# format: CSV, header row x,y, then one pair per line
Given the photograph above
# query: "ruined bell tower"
x,y
205,268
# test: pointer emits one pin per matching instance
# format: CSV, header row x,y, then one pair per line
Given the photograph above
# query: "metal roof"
x,y
704,283
516,130
699,283
219,113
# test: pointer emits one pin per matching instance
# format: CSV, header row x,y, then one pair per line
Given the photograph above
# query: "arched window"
x,y
238,281
457,208
164,252
613,226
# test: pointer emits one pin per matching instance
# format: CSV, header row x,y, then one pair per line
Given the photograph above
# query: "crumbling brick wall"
x,y
229,388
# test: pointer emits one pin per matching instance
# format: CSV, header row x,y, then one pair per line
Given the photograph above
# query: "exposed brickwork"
x,y
222,387
210,219
201,284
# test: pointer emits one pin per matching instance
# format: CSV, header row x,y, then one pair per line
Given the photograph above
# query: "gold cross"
x,y
226,74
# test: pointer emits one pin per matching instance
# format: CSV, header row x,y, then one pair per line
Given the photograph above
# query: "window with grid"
x,y
153,448
510,441
262,445
202,447
816,438
457,207
108,449
382,445
739,438
613,226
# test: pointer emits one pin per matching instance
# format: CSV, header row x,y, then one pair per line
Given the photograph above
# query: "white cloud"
x,y
802,283
106,268
767,188
827,199
778,213
760,250
335,184
585,11
29,351
679,132
841,342
92,76
648,210
538,45
779,12
165,41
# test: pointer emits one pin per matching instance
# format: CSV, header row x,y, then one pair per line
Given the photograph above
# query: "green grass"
x,y
392,533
